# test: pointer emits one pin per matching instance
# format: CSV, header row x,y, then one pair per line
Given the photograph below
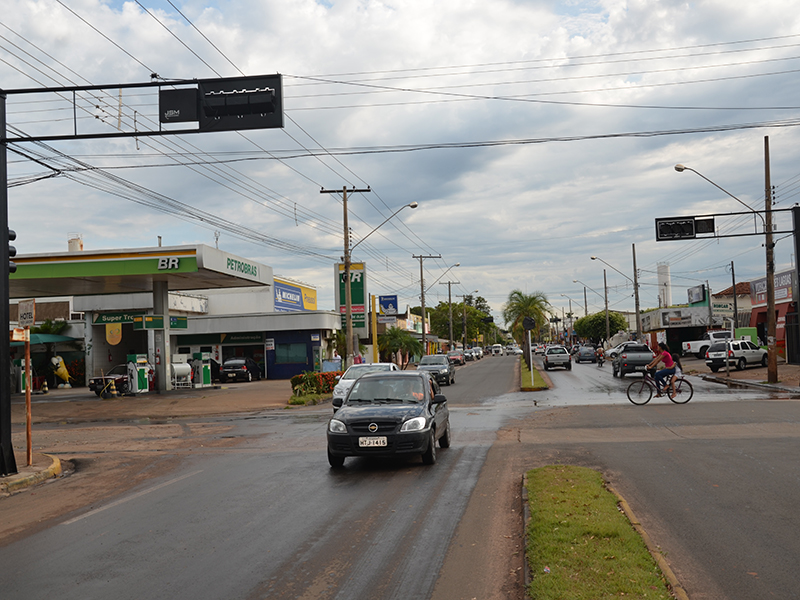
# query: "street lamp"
x,y
635,290
585,303
349,346
772,358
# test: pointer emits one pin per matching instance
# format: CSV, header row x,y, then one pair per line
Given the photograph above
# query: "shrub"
x,y
311,382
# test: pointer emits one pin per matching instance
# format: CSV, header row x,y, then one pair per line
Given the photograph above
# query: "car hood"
x,y
394,412
431,367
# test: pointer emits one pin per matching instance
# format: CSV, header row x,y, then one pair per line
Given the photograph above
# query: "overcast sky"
x,y
533,135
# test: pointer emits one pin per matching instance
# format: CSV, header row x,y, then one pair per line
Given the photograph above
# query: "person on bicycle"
x,y
677,375
662,355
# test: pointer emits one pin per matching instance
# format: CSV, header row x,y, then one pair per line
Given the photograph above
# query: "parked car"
x,y
457,357
439,367
557,356
389,414
240,369
478,352
740,354
469,354
619,347
348,378
633,358
701,346
118,373
586,353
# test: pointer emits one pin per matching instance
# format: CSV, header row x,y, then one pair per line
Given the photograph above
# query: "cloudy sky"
x,y
533,135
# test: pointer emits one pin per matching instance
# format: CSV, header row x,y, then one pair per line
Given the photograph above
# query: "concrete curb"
x,y
746,383
21,482
677,590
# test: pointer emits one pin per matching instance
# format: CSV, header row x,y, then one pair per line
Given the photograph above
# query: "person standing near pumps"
x,y
662,355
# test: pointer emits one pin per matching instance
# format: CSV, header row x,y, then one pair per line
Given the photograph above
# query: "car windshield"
x,y
433,360
406,390
356,371
718,347
118,370
234,363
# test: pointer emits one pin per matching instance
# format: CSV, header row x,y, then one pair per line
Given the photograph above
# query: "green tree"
x,y
520,305
396,340
593,327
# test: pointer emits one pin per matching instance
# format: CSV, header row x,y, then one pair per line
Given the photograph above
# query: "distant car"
x,y
633,358
348,378
557,356
585,353
457,357
439,367
118,373
497,349
619,348
514,350
390,414
469,354
538,349
740,354
240,369
478,351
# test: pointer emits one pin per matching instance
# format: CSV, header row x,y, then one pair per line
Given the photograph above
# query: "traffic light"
x,y
12,251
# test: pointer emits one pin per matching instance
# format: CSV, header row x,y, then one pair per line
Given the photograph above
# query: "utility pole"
x,y
608,327
772,355
348,311
422,298
449,285
585,303
636,296
735,301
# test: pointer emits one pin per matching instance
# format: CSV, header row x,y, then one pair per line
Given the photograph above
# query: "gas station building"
x,y
178,302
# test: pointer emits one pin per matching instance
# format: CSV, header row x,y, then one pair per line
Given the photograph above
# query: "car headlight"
x,y
336,426
442,371
415,424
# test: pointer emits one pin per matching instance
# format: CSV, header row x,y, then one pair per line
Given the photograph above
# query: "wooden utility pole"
x,y
449,285
772,354
422,299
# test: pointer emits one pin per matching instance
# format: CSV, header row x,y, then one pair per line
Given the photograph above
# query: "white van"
x,y
497,349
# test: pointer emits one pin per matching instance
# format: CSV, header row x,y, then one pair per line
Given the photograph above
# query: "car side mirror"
x,y
337,378
337,402
439,399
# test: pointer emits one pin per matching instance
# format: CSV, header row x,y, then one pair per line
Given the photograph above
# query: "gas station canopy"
x,y
94,272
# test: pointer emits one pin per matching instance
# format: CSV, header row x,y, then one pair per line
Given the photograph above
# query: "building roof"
x,y
742,289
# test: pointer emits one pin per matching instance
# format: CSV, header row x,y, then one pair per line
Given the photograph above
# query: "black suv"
x,y
388,414
439,367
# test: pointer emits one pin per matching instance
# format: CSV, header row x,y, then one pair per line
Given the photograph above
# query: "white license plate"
x,y
640,368
371,442
231,374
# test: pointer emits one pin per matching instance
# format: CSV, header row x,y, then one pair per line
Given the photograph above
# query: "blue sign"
x,y
288,298
387,311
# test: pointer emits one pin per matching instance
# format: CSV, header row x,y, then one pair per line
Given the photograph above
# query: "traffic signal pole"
x,y
772,354
8,463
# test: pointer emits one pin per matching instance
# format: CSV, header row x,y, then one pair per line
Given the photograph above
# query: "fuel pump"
x,y
202,369
138,374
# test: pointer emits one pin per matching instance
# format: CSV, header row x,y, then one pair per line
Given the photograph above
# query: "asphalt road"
x,y
246,506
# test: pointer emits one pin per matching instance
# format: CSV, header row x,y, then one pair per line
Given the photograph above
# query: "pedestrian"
x,y
662,355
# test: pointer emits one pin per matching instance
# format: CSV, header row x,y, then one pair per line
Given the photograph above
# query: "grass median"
x,y
580,545
527,382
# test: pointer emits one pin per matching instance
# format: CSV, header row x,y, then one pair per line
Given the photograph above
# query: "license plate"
x,y
231,374
640,368
371,442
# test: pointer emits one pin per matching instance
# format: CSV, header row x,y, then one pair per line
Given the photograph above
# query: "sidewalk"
x,y
79,405
754,377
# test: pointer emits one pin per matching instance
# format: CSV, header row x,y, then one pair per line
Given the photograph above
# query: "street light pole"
x,y
449,285
608,327
635,289
422,299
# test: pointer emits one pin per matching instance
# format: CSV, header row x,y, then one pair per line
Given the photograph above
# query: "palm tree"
x,y
520,305
399,340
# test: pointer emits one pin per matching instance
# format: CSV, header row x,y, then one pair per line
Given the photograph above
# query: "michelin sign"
x,y
294,297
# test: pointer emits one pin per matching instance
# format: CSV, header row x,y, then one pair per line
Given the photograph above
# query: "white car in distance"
x,y
348,378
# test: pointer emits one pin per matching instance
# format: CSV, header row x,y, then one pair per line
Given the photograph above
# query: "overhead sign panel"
x,y
226,104
683,228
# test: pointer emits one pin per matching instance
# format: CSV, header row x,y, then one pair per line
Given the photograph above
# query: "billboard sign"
x,y
294,297
358,295
784,284
387,312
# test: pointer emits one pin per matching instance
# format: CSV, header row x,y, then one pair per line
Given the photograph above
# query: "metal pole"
x,y
348,306
450,306
735,300
636,296
375,357
608,327
422,300
585,303
772,365
8,463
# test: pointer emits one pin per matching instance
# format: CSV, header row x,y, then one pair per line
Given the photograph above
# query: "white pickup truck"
x,y
699,347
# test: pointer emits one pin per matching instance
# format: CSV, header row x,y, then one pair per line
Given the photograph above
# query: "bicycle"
x,y
640,392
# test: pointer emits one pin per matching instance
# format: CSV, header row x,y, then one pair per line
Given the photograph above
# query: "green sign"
x,y
178,323
358,287
148,322
120,317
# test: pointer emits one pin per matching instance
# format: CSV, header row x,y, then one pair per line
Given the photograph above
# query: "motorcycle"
x,y
600,360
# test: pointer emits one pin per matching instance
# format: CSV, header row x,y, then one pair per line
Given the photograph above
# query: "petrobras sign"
x,y
358,295
294,297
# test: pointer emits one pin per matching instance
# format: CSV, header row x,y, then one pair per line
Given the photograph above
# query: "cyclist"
x,y
678,374
662,355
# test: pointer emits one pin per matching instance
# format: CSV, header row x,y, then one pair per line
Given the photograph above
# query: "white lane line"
x,y
133,497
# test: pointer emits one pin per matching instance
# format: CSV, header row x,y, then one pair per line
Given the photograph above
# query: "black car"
x,y
387,414
439,367
239,369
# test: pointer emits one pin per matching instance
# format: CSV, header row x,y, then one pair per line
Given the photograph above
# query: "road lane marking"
x,y
132,497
